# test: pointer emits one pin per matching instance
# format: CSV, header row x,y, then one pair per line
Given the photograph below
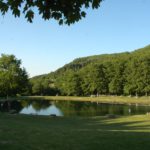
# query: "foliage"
x,y
13,78
114,74
43,86
116,83
70,84
63,11
94,79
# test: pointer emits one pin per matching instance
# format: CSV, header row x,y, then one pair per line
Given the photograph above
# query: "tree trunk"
x,y
146,94
136,95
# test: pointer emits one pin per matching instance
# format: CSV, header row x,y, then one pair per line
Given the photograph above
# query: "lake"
x,y
70,108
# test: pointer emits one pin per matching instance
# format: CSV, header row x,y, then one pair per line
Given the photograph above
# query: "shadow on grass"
x,y
78,133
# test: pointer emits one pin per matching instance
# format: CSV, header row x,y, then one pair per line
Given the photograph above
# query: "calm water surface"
x,y
70,108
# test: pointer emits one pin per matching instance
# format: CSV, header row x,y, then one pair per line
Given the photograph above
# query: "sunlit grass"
x,y
74,133
102,99
144,100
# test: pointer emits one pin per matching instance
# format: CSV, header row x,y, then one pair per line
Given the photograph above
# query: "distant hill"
x,y
121,73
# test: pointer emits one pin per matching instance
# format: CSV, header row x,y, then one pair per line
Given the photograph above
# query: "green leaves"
x,y
13,79
3,7
83,14
96,3
16,12
29,15
115,74
63,11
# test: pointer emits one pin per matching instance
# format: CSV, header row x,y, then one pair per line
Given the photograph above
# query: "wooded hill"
x,y
125,73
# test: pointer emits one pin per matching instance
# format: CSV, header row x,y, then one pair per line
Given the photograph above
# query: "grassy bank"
x,y
18,132
101,99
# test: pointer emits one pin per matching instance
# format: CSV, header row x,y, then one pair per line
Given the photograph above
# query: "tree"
x,y
145,75
137,77
43,86
117,80
117,74
69,84
37,88
73,84
64,11
13,78
94,79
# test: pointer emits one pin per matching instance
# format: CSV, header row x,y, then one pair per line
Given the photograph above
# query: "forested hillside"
x,y
110,74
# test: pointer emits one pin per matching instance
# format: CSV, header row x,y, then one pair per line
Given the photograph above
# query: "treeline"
x,y
42,85
114,74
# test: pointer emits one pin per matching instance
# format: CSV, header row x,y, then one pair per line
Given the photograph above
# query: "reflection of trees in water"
x,y
4,106
126,110
94,109
36,104
88,111
75,108
115,109
140,109
16,105
67,107
25,103
10,105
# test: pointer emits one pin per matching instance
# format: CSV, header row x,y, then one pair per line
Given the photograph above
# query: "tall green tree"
x,y
116,83
145,77
70,84
94,79
13,78
73,84
43,87
137,77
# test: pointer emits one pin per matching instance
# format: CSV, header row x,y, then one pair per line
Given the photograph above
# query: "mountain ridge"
x,y
109,63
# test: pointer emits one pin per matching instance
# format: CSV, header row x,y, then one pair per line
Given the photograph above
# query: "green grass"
x,y
102,99
20,132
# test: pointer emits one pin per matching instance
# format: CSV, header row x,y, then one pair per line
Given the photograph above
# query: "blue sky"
x,y
44,46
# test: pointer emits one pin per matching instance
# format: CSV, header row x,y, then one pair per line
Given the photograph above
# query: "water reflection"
x,y
71,108
51,110
13,105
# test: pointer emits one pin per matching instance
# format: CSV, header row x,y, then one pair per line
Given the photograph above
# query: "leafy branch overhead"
x,y
64,11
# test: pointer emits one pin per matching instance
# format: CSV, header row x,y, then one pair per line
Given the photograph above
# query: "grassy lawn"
x,y
102,99
20,132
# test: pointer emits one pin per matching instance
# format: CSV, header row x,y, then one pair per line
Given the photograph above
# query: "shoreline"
x,y
124,100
